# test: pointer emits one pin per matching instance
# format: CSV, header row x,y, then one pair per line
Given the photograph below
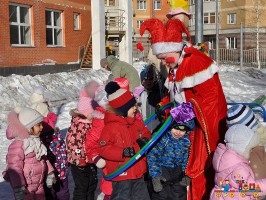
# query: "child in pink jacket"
x,y
27,166
234,178
99,104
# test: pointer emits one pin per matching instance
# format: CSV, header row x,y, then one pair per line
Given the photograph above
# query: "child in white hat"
x,y
231,164
27,166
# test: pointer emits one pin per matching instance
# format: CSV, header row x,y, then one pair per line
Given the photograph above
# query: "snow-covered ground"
x,y
62,90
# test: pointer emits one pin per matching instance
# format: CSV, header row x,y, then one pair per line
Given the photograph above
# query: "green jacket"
x,y
121,69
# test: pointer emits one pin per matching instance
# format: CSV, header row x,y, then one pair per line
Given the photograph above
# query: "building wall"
x,y
148,13
72,40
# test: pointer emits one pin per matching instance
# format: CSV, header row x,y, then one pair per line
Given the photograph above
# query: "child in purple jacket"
x,y
27,166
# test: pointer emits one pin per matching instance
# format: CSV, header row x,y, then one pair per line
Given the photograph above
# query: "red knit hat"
x,y
122,82
165,38
120,99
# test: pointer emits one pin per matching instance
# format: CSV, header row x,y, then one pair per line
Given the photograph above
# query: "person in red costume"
x,y
193,77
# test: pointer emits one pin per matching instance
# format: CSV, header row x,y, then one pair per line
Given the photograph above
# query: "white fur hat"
x,y
41,108
241,139
28,117
37,98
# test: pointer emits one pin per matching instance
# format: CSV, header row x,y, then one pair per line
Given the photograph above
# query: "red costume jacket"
x,y
196,80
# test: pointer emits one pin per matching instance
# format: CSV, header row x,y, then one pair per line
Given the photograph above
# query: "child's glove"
x,y
19,193
99,162
142,141
128,152
185,181
50,180
157,184
160,113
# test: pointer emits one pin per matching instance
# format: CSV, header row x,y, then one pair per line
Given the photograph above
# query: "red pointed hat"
x,y
165,38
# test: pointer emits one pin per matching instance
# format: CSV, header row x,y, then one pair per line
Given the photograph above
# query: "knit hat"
x,y
122,82
241,114
147,73
241,139
28,117
84,103
119,99
101,96
103,62
37,95
165,38
41,108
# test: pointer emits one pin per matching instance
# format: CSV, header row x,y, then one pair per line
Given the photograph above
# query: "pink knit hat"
x,y
84,103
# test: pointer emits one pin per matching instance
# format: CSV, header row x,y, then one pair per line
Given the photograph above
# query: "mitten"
x,y
128,152
160,113
19,193
50,180
142,141
99,162
185,181
157,183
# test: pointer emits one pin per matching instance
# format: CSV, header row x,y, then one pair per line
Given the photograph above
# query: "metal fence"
x,y
233,56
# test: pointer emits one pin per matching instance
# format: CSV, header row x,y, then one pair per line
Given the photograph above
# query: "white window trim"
x,y
209,17
55,27
229,18
143,5
78,18
22,24
229,42
156,4
139,22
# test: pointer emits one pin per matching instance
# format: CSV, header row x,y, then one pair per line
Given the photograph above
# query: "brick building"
x,y
34,32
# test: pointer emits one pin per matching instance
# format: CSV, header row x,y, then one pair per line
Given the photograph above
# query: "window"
x,y
231,42
208,0
141,5
231,18
76,21
191,2
209,18
139,22
53,27
157,5
20,25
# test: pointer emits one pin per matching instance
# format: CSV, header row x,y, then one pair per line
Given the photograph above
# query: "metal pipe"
x,y
199,21
217,31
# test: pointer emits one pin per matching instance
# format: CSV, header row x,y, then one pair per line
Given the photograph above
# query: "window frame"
x,y
231,42
139,22
209,17
19,24
155,2
78,21
54,27
141,5
229,18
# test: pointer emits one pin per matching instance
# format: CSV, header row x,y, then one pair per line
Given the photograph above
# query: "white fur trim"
x,y
198,78
166,47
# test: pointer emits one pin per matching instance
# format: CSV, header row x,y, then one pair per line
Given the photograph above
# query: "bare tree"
x,y
258,8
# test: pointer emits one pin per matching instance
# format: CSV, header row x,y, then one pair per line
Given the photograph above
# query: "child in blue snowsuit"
x,y
167,160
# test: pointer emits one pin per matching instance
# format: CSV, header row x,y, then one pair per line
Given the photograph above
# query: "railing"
x,y
114,20
233,55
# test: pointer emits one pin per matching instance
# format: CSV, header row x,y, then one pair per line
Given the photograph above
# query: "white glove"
x,y
50,180
19,193
99,162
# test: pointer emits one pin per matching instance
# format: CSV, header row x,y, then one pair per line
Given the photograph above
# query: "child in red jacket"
x,y
122,136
